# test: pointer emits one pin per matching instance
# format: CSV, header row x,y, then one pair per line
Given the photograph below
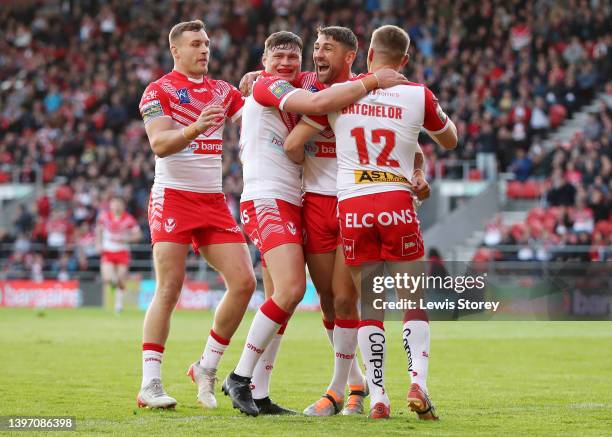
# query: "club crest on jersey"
x,y
280,88
169,225
348,247
183,96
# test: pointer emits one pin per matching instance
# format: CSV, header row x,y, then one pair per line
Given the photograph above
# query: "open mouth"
x,y
322,68
285,70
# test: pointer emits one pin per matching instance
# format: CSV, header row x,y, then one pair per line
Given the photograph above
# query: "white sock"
x,y
330,335
416,345
372,343
260,386
213,351
151,366
260,334
355,377
119,299
345,344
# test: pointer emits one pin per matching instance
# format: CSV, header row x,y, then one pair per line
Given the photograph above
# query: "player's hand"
x,y
210,116
388,78
246,83
420,186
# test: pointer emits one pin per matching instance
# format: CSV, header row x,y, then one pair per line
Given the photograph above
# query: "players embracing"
x,y
376,144
271,200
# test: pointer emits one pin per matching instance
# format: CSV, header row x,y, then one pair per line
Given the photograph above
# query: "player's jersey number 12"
x,y
378,135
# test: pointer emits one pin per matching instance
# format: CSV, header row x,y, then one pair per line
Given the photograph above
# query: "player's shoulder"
x,y
268,80
167,78
308,80
219,84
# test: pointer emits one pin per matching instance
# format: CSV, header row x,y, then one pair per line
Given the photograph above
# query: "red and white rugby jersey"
x,y
198,166
320,168
267,172
377,137
115,229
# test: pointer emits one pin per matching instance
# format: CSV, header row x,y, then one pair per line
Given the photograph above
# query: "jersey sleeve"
x,y
272,91
236,102
100,220
131,222
154,103
320,122
435,120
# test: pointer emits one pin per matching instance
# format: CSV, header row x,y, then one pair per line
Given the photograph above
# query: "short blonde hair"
x,y
391,42
186,26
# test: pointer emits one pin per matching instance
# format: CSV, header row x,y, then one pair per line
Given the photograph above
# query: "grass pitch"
x,y
486,378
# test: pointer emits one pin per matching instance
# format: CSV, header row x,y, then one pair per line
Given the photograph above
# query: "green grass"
x,y
486,378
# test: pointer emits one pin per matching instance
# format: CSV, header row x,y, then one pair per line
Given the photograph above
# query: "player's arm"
x,y
98,237
294,143
167,137
438,125
246,83
135,234
447,139
420,186
337,97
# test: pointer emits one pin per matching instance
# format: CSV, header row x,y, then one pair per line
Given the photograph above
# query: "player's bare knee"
x,y
345,307
245,285
296,293
327,308
168,292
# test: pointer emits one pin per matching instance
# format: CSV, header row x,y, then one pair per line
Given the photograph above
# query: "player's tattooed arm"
x,y
247,81
294,143
167,137
337,97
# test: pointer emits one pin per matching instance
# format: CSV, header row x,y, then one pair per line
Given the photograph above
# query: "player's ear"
x,y
350,57
174,51
405,60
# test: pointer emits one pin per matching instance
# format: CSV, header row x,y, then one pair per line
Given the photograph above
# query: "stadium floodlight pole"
x,y
184,114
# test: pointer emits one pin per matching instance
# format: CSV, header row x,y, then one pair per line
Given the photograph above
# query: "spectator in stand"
x,y
521,166
72,74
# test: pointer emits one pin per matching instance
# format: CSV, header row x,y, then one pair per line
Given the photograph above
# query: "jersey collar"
x,y
182,76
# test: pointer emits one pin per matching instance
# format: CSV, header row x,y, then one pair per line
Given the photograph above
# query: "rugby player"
x,y
184,114
115,230
376,146
334,52
270,202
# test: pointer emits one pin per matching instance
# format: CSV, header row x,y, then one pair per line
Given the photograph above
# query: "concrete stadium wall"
x,y
450,230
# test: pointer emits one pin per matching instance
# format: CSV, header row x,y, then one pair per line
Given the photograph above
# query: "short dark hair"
x,y
283,38
390,41
343,35
186,26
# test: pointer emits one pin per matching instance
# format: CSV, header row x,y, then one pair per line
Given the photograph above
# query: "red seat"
x,y
475,175
514,189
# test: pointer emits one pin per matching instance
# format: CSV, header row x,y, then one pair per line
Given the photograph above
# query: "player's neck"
x,y
375,66
190,76
341,78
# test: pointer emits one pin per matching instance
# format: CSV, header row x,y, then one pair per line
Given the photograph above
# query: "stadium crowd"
x,y
577,203
72,74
